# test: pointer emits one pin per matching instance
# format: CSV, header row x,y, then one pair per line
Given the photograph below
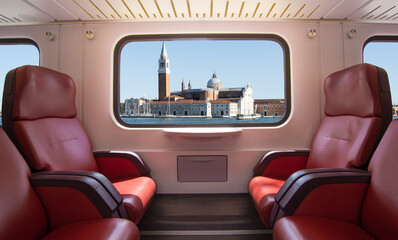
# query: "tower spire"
x,y
163,53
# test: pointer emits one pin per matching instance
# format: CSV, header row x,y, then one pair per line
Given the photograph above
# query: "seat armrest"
x,y
100,179
281,164
334,193
118,165
69,198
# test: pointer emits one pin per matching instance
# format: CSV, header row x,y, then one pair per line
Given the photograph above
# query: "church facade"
x,y
211,101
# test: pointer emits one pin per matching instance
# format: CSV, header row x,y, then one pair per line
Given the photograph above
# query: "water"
x,y
198,120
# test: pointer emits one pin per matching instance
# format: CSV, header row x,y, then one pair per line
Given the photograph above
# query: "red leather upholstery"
x,y
343,141
306,227
40,97
19,205
23,216
137,194
380,208
55,144
348,134
102,229
378,218
46,130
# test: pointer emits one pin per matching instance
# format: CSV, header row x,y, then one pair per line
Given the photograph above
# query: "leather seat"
x,y
23,215
357,112
39,115
377,217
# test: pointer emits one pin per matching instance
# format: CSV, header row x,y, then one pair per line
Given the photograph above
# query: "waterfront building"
x,y
270,107
211,101
187,107
136,106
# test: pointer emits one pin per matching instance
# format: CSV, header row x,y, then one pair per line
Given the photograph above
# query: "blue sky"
x,y
13,56
236,63
385,55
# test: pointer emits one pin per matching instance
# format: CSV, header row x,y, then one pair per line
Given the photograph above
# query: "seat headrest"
x,y
42,93
354,91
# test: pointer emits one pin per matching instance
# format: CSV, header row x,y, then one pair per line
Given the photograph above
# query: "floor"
x,y
198,217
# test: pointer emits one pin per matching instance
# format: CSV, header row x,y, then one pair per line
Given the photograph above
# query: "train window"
x,y
201,80
15,53
382,51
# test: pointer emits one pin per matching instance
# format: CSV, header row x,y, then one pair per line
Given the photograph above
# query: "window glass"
x,y
15,53
383,53
170,82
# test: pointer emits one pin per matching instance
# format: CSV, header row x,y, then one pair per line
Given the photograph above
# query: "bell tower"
x,y
164,75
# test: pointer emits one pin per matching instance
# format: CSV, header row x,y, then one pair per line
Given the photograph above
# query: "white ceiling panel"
x,y
345,8
45,11
377,10
16,12
53,9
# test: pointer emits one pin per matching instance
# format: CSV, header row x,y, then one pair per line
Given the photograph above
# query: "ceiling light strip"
x,y
370,12
269,12
83,9
299,10
143,8
157,6
174,8
125,4
385,12
241,8
110,5
314,11
211,8
285,10
226,9
7,18
98,8
189,8
255,10
392,16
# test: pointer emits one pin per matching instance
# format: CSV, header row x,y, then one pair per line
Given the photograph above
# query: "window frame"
x,y
178,37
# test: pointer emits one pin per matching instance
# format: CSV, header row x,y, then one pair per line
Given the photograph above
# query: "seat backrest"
x,y
357,113
380,208
39,115
22,215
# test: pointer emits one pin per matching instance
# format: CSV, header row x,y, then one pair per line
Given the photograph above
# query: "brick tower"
x,y
164,75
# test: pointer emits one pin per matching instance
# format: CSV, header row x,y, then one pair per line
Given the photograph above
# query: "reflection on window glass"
x,y
202,82
16,55
384,54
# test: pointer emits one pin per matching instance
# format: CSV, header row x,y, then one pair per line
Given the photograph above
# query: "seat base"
x,y
308,227
107,228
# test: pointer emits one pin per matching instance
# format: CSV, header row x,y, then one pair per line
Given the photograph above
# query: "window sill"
x,y
202,132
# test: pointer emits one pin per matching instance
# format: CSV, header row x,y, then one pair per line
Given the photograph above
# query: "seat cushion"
x,y
107,228
262,191
306,227
343,141
137,193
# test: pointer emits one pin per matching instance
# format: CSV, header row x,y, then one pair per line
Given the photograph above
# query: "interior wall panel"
x,y
154,145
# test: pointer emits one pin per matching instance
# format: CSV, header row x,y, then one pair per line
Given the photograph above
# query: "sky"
x,y
384,55
13,56
236,63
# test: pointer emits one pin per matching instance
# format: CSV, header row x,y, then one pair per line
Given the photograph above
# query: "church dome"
x,y
214,82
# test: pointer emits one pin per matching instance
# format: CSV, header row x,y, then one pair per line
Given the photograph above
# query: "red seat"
x,y
377,214
357,112
24,216
39,115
